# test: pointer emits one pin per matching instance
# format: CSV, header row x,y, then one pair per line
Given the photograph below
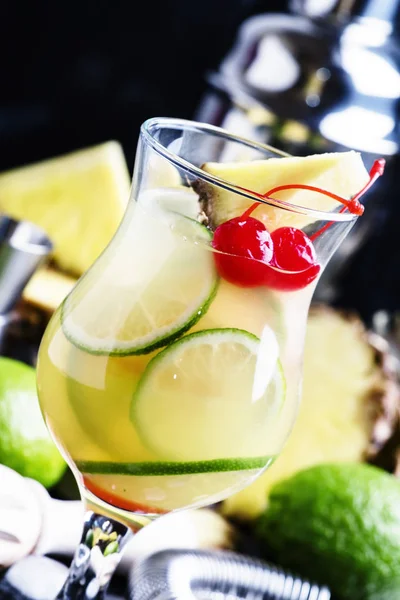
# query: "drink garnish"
x,y
376,171
286,258
139,313
170,468
174,391
241,239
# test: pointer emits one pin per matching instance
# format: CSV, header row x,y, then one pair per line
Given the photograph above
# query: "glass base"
x,y
96,558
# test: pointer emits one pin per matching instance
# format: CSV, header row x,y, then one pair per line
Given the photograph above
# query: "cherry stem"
x,y
376,171
353,205
355,208
315,235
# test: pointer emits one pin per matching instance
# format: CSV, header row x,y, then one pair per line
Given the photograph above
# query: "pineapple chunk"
x,y
48,288
342,173
346,401
188,529
78,199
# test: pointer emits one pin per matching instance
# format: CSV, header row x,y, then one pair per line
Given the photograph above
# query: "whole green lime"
x,y
339,525
25,444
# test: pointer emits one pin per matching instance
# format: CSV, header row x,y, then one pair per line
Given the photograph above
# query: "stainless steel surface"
x,y
23,248
33,578
343,10
310,85
203,575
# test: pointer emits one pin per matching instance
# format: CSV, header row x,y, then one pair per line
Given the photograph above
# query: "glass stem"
x,y
96,558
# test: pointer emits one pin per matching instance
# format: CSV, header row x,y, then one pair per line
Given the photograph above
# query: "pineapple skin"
x,y
349,410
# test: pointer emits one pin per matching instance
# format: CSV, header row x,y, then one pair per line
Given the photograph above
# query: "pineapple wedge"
x,y
342,173
349,407
198,529
47,289
78,199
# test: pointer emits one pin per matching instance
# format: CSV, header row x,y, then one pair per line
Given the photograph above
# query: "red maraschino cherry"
x,y
244,249
293,249
248,255
294,259
290,282
251,257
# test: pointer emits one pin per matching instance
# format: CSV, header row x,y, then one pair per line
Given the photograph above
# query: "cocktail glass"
x,y
168,380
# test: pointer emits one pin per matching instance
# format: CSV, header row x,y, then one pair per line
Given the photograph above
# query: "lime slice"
x,y
165,486
211,395
172,468
152,285
169,491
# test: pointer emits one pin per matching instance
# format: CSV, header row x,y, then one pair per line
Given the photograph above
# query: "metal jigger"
x,y
23,249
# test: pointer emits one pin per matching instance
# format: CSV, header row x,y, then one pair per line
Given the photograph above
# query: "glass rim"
x,y
147,134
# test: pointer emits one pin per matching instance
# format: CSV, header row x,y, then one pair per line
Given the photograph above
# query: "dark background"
x,y
80,72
